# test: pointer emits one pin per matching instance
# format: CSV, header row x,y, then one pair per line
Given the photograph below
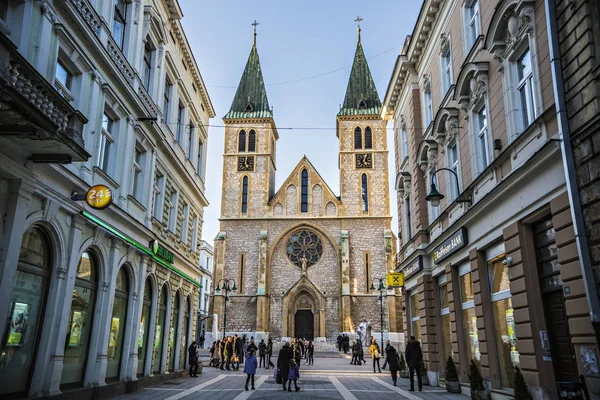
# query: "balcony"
x,y
36,122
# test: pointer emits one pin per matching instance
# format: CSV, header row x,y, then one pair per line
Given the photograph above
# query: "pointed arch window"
x,y
304,194
242,142
365,193
245,195
252,141
357,138
368,138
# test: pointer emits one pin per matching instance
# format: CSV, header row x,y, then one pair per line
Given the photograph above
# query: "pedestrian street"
x,y
328,378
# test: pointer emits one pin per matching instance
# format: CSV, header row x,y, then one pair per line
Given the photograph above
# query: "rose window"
x,y
304,248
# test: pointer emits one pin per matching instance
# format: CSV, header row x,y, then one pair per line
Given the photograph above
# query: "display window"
x,y
117,326
142,341
415,319
24,323
174,333
160,326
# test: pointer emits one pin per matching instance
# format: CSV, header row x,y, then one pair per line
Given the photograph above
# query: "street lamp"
x,y
435,197
228,286
381,288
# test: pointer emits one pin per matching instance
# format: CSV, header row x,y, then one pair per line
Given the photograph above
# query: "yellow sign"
x,y
395,279
99,197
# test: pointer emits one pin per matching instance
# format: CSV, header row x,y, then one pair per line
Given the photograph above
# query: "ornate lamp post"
x,y
435,197
381,288
228,286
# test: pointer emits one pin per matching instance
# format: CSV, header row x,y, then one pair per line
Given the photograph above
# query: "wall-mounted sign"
x,y
395,279
99,197
415,266
455,242
161,251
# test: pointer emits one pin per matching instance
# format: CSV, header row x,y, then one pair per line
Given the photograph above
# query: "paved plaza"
x,y
329,378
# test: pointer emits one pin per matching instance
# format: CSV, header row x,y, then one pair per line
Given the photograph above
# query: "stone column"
x,y
57,313
10,245
262,302
98,356
219,273
346,303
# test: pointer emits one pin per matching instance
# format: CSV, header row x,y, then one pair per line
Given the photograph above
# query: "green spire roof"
x,y
250,100
361,94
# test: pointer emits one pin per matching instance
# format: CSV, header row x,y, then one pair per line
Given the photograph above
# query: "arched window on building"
x,y
160,327
24,323
81,321
118,323
252,141
174,332
304,192
144,327
245,195
368,138
365,193
357,138
242,142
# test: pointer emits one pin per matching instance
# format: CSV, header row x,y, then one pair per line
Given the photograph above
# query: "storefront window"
x,y
80,324
468,315
23,325
504,322
144,327
160,326
117,326
415,319
445,314
173,333
184,331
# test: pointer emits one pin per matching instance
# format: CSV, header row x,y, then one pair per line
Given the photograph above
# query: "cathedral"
x,y
305,261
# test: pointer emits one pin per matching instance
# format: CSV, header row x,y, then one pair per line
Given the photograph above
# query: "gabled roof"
x,y
304,162
361,94
250,99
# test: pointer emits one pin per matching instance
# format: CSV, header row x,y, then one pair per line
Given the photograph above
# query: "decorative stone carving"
x,y
444,43
519,23
477,89
431,162
426,83
122,64
87,11
451,128
147,101
402,121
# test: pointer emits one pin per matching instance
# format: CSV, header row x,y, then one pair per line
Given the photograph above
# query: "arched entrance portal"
x,y
304,318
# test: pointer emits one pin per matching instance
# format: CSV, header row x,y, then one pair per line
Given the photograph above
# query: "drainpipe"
x,y
569,166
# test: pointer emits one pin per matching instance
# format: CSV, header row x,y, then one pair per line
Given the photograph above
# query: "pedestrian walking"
x,y
293,375
310,350
375,354
228,352
212,354
297,352
361,353
283,362
222,354
270,354
239,350
414,356
250,367
262,349
393,360
345,343
193,360
251,346
387,348
339,342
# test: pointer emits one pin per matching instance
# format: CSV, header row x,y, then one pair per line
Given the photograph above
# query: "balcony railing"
x,y
37,113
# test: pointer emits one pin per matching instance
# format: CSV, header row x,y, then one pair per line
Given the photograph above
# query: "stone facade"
x,y
258,227
107,311
511,292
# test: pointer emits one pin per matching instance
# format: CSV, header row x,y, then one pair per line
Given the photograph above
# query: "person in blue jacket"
x,y
250,366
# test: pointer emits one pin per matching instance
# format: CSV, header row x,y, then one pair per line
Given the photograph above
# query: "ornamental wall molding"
x,y
87,11
426,83
428,160
402,121
444,43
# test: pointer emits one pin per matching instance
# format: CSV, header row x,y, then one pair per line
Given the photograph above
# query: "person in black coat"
x,y
262,350
269,353
283,362
193,360
414,356
393,360
387,348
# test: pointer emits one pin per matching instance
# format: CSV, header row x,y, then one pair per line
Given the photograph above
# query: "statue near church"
x,y
364,332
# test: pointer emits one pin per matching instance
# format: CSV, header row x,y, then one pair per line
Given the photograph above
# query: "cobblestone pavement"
x,y
329,378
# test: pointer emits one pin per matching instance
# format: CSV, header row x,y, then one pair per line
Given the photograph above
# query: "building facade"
x,y
98,92
206,267
492,271
303,259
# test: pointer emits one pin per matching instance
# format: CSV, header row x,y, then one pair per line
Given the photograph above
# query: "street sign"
x,y
395,279
99,197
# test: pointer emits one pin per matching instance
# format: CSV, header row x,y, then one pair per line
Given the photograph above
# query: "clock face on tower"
x,y
364,160
246,163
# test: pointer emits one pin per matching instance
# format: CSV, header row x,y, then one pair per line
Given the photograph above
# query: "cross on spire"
x,y
358,20
255,24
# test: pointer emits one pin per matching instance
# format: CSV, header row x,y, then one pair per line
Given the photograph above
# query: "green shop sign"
x,y
161,251
149,251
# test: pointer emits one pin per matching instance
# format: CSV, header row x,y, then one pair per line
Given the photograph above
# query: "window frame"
x,y
180,131
368,138
245,184
365,193
304,191
407,218
159,196
173,211
427,105
183,235
137,189
242,136
471,23
482,138
147,63
433,212
446,80
107,140
455,166
528,105
122,16
358,142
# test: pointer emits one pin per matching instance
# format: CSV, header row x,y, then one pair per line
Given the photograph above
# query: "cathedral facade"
x,y
303,258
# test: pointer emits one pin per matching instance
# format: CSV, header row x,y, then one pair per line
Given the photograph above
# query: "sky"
x,y
306,49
